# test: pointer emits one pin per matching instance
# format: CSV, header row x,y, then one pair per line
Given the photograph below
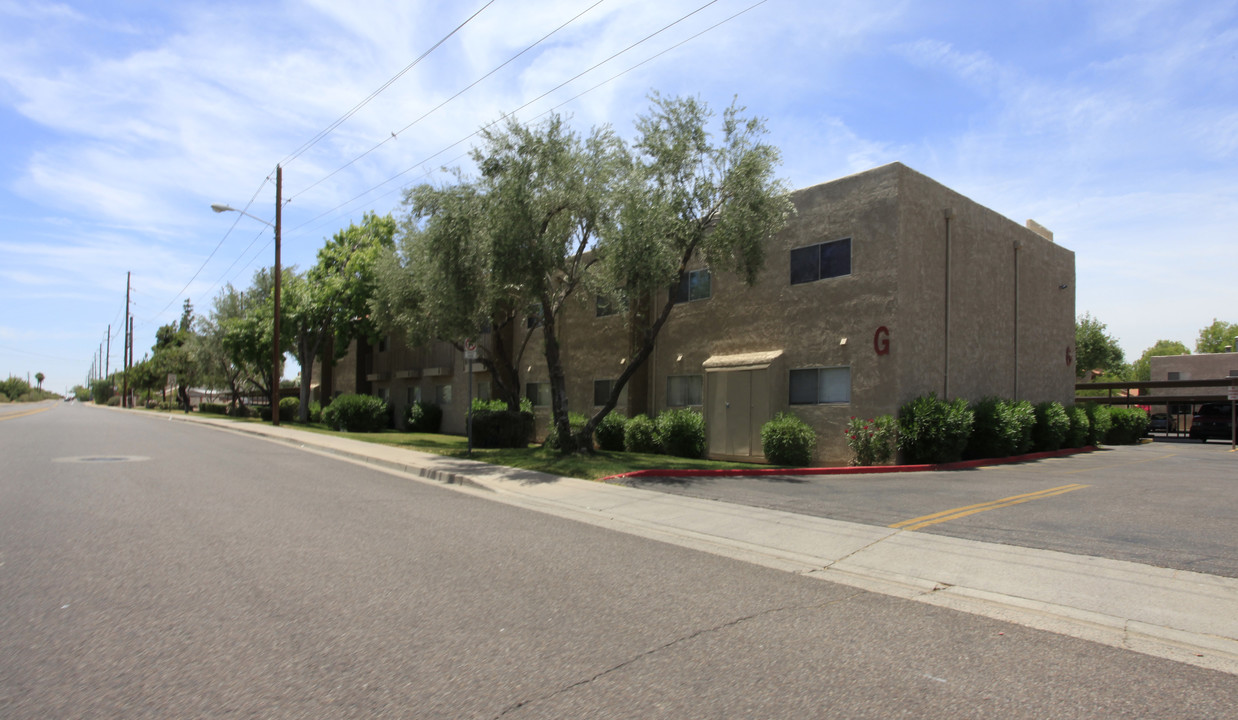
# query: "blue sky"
x,y
1114,124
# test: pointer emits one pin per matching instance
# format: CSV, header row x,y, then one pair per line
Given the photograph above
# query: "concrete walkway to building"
x,y
1184,616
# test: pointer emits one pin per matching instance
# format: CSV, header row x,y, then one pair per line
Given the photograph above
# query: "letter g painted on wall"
x,y
881,340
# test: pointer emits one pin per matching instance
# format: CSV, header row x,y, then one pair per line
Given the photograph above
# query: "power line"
x,y
218,245
327,131
429,112
543,95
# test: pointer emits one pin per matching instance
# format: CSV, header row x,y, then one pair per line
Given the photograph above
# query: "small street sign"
x,y
1233,393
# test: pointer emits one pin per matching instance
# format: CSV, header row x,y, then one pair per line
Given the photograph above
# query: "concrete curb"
x,y
854,470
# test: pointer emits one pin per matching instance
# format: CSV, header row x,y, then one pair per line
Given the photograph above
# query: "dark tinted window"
x,y
824,260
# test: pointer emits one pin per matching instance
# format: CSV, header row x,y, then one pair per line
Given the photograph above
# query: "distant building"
x,y
884,286
1182,368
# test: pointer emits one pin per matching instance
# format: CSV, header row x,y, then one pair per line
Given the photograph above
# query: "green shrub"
x,y
640,435
931,430
113,401
575,422
315,412
502,428
609,433
1080,427
357,413
1001,428
526,405
1127,425
787,440
1099,422
1052,427
100,392
241,411
3,398
213,409
871,441
420,417
289,409
681,433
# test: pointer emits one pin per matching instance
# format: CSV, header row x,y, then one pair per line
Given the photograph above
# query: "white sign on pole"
x,y
470,351
1233,393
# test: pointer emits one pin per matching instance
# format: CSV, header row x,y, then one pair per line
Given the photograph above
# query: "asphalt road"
x,y
1168,504
152,569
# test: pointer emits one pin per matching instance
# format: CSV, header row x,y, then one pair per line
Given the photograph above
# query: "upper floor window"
x,y
442,395
695,285
817,386
824,260
384,343
1175,376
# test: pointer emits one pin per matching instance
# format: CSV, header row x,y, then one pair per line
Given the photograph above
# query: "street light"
x,y
276,372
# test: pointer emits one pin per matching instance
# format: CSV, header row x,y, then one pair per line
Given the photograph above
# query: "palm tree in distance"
x,y
39,376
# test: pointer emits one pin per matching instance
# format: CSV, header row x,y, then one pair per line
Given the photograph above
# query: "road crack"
x,y
677,641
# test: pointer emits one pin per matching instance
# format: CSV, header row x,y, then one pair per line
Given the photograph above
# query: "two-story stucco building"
x,y
883,286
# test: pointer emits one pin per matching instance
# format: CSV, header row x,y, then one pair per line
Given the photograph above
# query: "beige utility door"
x,y
738,407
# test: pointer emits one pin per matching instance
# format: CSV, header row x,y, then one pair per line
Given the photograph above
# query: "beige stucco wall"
x,y
982,341
894,298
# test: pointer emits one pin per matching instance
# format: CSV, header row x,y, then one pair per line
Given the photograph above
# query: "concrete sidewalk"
x,y
1184,616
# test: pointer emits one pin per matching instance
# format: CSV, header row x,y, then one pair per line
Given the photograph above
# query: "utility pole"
x,y
124,398
130,352
276,372
108,362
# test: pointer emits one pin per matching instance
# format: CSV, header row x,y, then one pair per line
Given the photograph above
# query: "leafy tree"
x,y
218,367
1141,369
484,254
331,300
553,212
687,198
171,356
39,378
247,337
1216,336
1095,349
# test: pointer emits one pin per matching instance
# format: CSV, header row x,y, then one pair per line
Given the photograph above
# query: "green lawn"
x,y
589,467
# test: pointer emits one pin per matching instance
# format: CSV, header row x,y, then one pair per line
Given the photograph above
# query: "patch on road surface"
x,y
102,459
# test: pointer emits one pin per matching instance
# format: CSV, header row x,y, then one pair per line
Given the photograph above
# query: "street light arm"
x,y
219,208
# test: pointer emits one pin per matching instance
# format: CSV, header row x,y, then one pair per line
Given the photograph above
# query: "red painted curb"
x,y
853,470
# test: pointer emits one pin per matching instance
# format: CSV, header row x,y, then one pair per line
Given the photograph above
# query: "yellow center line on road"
x,y
14,416
960,512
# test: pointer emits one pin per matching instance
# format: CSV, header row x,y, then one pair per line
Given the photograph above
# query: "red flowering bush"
x,y
871,441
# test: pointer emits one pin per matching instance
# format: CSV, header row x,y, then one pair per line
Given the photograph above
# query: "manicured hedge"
x,y
1052,427
682,433
1128,425
502,429
289,409
357,413
609,433
420,417
213,409
1000,428
931,430
787,440
1099,422
641,436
